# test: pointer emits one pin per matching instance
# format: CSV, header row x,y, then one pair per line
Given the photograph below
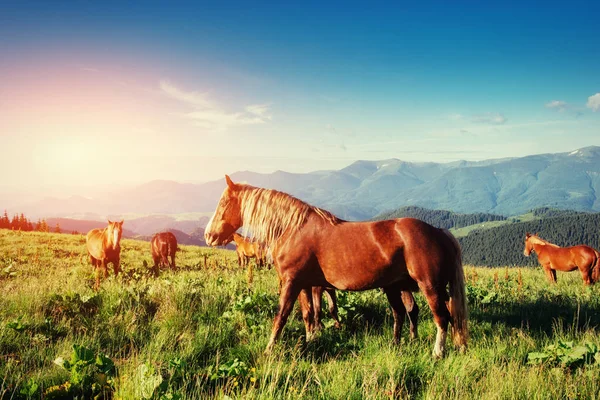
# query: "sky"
x,y
94,94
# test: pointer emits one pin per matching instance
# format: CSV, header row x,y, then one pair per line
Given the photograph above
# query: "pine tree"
x,y
22,222
57,228
4,221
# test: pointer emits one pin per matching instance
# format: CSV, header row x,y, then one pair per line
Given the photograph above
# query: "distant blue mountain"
x,y
367,188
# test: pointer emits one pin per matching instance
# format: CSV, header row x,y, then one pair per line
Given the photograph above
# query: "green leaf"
x,y
105,364
537,357
81,353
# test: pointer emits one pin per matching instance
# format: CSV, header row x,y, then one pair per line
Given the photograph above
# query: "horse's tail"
x,y
458,299
595,273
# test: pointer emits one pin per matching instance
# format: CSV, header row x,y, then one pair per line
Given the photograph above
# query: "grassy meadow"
x,y
200,332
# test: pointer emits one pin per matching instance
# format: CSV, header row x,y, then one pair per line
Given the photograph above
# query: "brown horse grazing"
x,y
103,246
247,249
164,246
312,247
555,258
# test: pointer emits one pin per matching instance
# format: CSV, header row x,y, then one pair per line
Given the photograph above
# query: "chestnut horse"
x,y
555,258
247,249
104,246
164,246
312,247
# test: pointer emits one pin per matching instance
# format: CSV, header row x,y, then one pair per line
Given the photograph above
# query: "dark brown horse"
x,y
555,258
164,247
312,247
104,246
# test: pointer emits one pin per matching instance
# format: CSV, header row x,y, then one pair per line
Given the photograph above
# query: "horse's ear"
x,y
121,222
230,182
527,235
110,222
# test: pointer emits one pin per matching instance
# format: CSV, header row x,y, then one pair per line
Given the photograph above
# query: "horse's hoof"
x,y
437,354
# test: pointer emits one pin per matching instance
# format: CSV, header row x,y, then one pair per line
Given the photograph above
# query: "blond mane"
x,y
268,213
538,240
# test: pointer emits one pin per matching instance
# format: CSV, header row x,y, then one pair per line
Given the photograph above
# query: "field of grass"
x,y
200,332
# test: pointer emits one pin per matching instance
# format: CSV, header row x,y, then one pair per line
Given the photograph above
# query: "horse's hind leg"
x,y
394,296
287,298
437,302
317,296
586,274
173,267
155,269
333,309
306,304
412,310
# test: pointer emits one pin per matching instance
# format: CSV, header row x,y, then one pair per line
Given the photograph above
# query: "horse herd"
x,y
313,252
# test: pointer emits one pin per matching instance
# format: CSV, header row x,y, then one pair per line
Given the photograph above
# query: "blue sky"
x,y
191,91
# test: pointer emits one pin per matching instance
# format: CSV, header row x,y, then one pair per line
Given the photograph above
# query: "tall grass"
x,y
200,332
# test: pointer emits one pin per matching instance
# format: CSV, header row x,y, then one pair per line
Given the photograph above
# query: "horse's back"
x,y
364,255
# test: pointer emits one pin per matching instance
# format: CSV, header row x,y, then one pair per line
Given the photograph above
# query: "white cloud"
x,y
260,110
594,102
209,115
558,105
489,118
195,99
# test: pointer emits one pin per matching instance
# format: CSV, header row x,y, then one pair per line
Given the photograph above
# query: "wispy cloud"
x,y
492,118
260,110
209,115
558,105
564,107
593,102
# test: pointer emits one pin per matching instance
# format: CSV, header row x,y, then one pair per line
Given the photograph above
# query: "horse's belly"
x,y
368,277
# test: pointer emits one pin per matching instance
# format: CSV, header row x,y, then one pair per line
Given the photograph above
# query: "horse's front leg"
x,y
550,273
117,266
287,298
308,314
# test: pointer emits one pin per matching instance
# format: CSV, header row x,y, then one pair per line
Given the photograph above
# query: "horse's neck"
x,y
542,245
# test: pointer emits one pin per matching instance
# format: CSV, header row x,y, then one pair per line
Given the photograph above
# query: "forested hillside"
x,y
440,218
504,245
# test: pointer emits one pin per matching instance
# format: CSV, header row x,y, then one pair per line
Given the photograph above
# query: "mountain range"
x,y
365,189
